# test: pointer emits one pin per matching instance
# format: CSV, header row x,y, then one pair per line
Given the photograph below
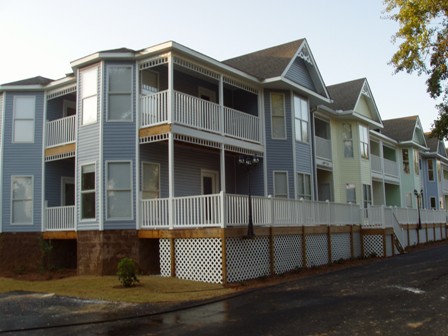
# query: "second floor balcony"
x,y
383,166
195,112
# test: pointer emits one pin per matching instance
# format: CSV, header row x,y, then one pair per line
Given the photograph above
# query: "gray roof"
x,y
400,129
266,63
118,50
39,80
345,95
432,143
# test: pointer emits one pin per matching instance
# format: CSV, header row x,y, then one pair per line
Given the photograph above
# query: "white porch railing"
x,y
198,113
376,163
207,211
61,131
60,218
390,168
445,185
323,148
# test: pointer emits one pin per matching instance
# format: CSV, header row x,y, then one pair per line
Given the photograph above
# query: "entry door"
x,y
209,182
68,191
325,192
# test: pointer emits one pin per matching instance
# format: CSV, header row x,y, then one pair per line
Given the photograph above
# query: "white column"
x,y
221,105
170,89
223,168
171,180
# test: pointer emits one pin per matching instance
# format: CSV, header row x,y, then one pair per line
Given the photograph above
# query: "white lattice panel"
x,y
389,246
412,237
357,251
287,253
430,234
316,250
247,258
422,235
199,259
340,246
165,257
373,245
438,235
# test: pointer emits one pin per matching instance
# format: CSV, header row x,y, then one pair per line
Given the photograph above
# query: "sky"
x,y
349,39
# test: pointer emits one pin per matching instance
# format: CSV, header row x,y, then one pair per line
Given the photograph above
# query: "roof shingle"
x,y
400,129
345,95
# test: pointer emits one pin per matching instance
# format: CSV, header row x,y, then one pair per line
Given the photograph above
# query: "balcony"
x,y
390,167
323,148
60,218
200,114
60,138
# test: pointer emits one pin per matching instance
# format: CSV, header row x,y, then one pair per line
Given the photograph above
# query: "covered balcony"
x,y
384,161
182,97
323,141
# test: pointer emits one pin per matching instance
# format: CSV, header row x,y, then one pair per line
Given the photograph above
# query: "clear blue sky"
x,y
349,39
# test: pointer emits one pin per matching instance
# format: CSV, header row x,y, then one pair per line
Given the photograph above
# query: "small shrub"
x,y
127,272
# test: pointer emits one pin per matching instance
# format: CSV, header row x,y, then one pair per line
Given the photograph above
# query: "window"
x,y
430,170
433,202
303,186
405,155
120,93
439,171
149,82
281,184
416,163
364,141
89,92
22,200
351,192
278,116
367,195
88,195
23,123
301,119
151,180
348,140
409,200
119,193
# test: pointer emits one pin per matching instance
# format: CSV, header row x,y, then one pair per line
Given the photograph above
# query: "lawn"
x,y
150,289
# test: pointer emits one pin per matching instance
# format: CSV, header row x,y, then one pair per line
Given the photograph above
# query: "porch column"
x,y
223,169
170,101
171,180
221,105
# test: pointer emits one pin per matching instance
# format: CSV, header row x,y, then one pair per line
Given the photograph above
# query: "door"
x,y
209,182
67,191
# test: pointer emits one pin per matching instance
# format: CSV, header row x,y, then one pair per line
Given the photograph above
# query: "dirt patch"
x,y
39,276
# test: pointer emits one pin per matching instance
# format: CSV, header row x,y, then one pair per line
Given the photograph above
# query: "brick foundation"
x,y
20,252
100,251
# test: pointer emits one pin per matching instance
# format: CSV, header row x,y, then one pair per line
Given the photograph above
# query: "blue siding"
x,y
430,188
87,152
303,157
119,141
279,152
23,159
299,73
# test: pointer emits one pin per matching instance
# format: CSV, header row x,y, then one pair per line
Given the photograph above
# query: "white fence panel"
x,y
61,131
60,218
154,109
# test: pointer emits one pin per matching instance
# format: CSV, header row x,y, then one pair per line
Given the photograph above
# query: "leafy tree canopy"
x,y
423,37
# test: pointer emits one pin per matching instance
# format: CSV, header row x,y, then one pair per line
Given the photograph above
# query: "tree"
x,y
423,33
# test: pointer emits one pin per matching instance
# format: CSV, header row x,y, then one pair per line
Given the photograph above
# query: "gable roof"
x,y
433,143
400,129
345,95
266,63
354,98
38,80
406,129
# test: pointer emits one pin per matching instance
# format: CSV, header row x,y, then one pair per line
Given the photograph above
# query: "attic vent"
x,y
305,55
61,92
365,90
152,62
195,67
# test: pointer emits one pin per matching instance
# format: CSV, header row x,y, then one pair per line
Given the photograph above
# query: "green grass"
x,y
150,289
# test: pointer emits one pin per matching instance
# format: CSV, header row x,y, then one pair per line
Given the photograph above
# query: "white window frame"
x,y
348,140
285,172
33,120
406,166
214,175
13,177
364,142
299,115
120,93
304,196
92,219
83,98
350,186
130,190
431,161
284,116
416,162
431,200
143,178
366,191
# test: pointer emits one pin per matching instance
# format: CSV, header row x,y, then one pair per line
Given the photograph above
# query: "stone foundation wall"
x,y
100,251
20,252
